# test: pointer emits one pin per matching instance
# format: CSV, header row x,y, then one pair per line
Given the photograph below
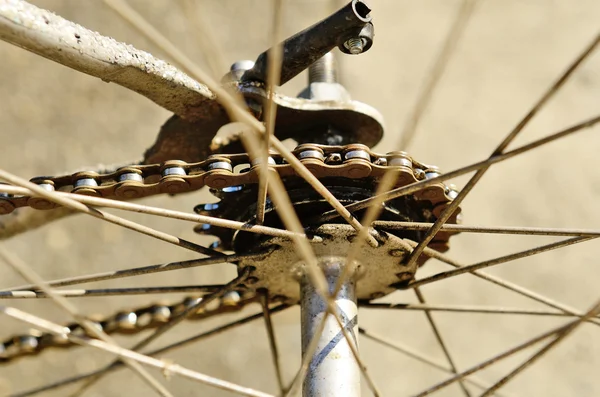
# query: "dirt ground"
x,y
53,119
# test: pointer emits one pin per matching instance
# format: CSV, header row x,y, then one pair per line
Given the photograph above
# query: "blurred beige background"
x,y
53,119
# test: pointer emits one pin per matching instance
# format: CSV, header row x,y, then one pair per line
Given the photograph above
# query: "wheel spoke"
x,y
417,186
451,208
145,209
462,309
34,320
78,206
164,349
499,260
77,293
520,230
292,389
440,340
200,304
217,330
433,77
204,37
419,357
125,354
28,274
492,390
261,201
138,271
593,312
264,301
562,330
274,59
25,221
504,284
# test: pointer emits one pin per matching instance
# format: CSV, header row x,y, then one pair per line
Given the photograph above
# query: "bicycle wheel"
x,y
507,57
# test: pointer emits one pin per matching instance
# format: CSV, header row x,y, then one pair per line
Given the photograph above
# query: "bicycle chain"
x,y
353,161
123,322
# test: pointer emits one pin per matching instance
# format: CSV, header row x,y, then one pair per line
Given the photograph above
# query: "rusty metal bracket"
x,y
304,120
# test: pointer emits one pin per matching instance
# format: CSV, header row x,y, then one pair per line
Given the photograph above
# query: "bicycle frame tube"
x,y
333,370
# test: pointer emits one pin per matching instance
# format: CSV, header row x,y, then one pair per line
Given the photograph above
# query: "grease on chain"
x,y
353,161
123,322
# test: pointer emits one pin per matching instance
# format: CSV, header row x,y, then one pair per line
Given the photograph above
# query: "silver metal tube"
x,y
333,371
323,70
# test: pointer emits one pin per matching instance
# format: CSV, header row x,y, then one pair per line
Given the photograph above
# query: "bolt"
x,y
355,45
323,70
